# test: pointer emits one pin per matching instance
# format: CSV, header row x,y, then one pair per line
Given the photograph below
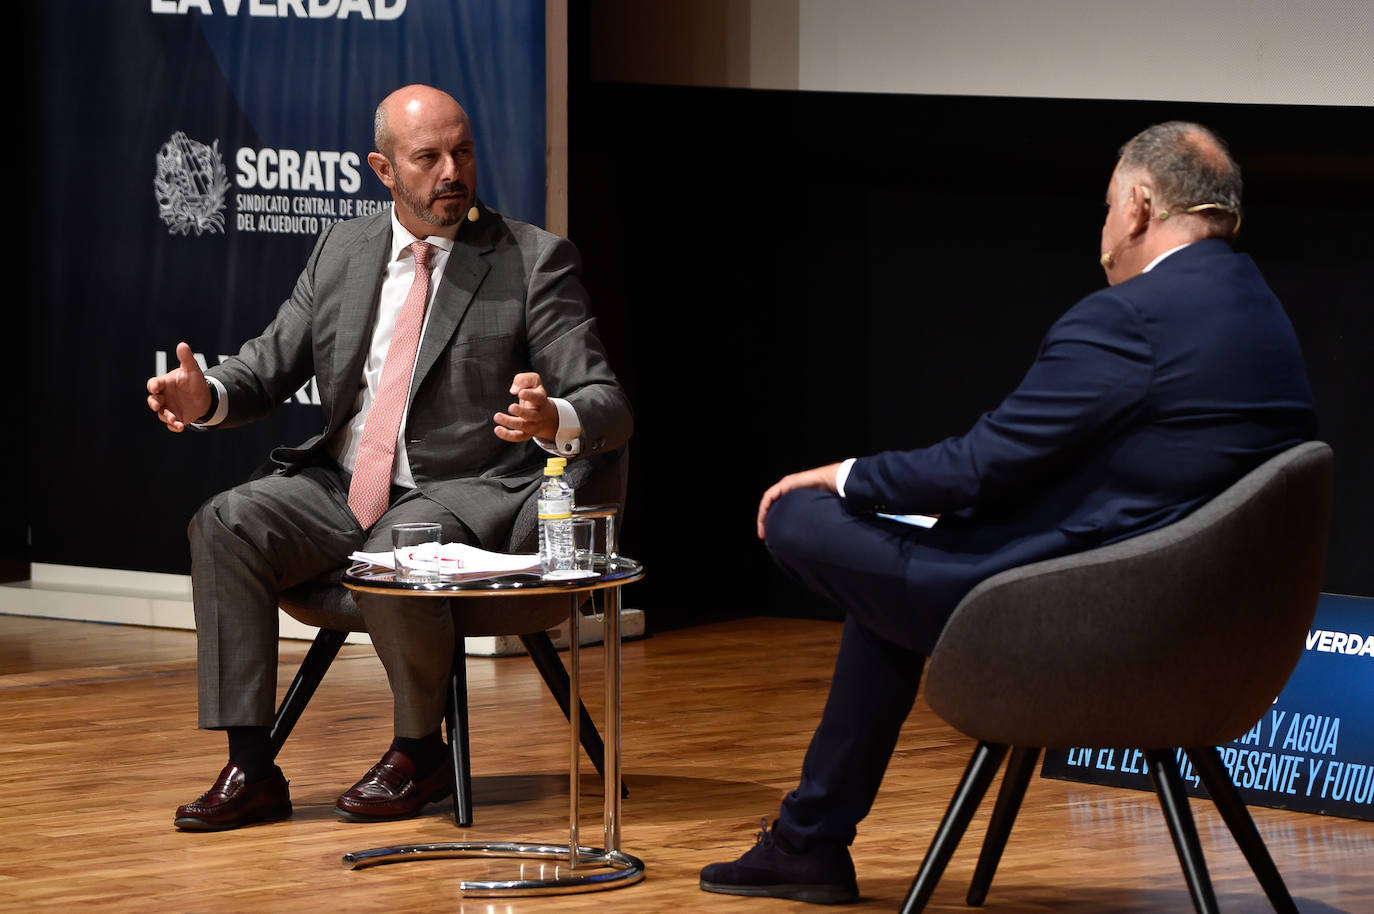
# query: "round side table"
x,y
614,868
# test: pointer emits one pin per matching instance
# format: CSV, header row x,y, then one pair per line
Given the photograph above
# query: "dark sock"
x,y
250,749
425,752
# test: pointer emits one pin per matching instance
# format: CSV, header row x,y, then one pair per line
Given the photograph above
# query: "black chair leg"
x,y
456,721
545,656
1020,768
1232,808
316,663
1174,801
974,784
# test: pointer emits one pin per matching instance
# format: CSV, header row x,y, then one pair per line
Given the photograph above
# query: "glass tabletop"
x,y
608,572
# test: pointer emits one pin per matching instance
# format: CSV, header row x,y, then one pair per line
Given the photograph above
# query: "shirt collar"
x,y
402,239
1153,263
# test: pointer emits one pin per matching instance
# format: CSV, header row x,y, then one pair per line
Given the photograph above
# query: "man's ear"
x,y
382,166
1141,208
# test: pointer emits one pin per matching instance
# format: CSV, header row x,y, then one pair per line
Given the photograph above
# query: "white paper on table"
x,y
461,559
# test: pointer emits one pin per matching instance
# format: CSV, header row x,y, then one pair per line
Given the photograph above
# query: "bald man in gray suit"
x,y
507,319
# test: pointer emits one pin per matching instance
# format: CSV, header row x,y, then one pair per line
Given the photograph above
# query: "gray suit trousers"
x,y
253,541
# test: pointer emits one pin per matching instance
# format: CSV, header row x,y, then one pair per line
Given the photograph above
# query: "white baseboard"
x,y
120,597
156,600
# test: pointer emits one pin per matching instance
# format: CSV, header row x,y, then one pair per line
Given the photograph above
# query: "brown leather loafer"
x,y
391,790
235,801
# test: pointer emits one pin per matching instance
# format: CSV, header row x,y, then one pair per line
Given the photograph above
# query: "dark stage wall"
x,y
783,279
789,278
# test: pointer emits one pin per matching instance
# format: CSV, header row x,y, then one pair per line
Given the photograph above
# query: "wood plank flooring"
x,y
98,746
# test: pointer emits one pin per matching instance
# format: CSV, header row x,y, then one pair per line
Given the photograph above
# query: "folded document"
x,y
459,560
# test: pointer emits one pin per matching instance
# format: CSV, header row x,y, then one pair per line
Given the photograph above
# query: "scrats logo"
x,y
291,169
190,185
380,10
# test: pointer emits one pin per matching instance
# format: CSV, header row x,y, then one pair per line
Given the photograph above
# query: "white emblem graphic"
x,y
190,185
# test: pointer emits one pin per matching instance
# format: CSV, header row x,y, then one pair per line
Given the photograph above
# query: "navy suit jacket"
x,y
1146,399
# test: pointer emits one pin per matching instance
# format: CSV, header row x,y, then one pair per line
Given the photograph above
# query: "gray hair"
x,y
1188,166
381,131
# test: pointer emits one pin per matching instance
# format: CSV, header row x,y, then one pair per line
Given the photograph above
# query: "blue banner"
x,y
1313,751
202,146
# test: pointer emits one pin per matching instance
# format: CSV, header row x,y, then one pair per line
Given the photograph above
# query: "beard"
x,y
421,209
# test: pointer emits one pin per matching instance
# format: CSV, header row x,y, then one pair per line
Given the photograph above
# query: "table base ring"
x,y
624,869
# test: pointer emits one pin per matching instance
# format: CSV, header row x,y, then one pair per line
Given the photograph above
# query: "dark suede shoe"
x,y
392,791
235,801
823,874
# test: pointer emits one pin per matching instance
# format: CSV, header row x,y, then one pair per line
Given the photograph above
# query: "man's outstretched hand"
x,y
181,396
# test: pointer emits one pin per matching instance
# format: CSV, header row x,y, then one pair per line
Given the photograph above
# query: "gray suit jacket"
x,y
509,301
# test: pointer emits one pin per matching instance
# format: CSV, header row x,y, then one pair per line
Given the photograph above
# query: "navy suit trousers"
x,y
857,562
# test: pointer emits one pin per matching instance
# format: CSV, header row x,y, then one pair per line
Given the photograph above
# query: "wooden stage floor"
x,y
98,746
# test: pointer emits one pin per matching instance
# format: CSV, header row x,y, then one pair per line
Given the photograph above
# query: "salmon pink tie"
x,y
369,494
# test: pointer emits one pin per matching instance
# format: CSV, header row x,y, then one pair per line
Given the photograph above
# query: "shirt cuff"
x,y
221,410
567,441
842,475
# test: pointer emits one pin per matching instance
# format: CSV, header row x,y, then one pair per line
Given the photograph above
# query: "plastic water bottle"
x,y
555,520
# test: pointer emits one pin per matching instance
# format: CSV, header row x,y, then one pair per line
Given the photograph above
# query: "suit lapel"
x,y
357,313
462,277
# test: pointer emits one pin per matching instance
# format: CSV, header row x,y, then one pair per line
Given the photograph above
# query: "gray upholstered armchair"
x,y
1179,638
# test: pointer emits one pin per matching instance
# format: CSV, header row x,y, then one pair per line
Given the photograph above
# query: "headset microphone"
x,y
1108,258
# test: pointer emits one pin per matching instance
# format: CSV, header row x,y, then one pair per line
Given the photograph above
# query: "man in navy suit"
x,y
1146,399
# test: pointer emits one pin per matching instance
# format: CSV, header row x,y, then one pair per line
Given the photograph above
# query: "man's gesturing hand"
x,y
180,396
819,478
532,415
